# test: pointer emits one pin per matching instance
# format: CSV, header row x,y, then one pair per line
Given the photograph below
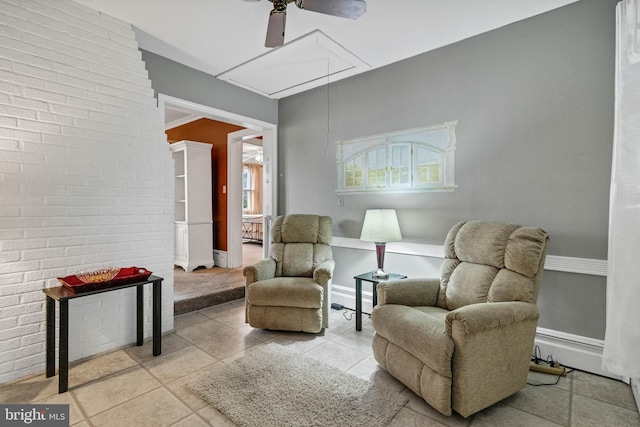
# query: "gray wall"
x,y
535,104
172,78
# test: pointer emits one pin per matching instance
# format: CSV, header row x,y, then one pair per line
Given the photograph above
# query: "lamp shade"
x,y
381,225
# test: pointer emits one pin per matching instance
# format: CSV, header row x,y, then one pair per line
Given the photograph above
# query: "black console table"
x,y
63,294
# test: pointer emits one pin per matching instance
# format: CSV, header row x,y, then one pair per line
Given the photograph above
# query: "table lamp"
x,y
380,226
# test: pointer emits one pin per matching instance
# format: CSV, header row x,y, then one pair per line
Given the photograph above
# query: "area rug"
x,y
275,386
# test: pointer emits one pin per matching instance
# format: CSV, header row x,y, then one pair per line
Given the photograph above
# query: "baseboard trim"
x,y
594,267
574,351
220,258
570,350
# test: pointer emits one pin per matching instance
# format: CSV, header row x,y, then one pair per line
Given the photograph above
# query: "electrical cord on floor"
x,y
344,313
564,372
537,358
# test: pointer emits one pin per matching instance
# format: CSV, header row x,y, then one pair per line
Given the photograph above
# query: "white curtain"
x,y
622,338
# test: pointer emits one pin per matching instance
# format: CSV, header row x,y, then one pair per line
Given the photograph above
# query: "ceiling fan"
x,y
352,9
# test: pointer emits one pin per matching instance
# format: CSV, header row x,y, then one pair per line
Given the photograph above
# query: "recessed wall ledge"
x,y
594,267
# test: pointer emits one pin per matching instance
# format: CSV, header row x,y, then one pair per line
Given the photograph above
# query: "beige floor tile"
x,y
546,402
338,327
408,418
299,341
216,311
369,370
75,415
98,367
227,345
29,390
170,367
203,331
236,356
192,420
336,354
589,412
188,319
170,343
81,424
419,405
114,390
179,388
234,318
215,417
366,369
500,415
262,335
238,302
359,340
157,408
604,389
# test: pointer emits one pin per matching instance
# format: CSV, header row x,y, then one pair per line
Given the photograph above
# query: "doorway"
x,y
185,111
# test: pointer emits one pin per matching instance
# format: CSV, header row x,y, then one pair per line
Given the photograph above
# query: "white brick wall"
x,y
85,177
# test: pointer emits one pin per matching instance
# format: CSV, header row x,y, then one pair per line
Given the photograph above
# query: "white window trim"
x,y
347,150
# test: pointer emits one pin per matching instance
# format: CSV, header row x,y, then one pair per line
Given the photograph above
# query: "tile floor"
x,y
130,387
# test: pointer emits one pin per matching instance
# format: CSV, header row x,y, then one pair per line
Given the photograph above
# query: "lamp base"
x,y
379,274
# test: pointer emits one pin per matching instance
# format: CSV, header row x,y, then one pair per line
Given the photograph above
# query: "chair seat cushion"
x,y
411,328
300,292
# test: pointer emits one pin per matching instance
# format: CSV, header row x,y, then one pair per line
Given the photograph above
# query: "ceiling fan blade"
x,y
275,29
353,9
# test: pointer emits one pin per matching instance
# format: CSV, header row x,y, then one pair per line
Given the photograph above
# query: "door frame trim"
x,y
269,132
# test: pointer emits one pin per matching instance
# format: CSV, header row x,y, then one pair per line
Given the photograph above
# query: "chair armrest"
x,y
481,317
324,271
411,292
262,270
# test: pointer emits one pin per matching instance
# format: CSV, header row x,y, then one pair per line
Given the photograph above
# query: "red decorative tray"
x,y
124,277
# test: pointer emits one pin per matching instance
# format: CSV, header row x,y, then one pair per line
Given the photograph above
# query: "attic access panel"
x,y
302,64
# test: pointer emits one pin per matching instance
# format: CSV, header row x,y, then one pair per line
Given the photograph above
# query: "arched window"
x,y
412,160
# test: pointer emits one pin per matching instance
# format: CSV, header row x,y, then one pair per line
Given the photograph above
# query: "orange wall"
x,y
215,133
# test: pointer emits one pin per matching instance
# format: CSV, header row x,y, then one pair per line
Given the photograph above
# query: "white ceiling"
x,y
218,36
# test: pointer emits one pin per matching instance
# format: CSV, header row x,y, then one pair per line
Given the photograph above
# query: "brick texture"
x,y
85,177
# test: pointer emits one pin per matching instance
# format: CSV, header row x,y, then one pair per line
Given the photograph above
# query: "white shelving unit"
x,y
193,205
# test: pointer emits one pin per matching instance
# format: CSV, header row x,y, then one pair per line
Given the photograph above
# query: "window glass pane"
x,y
353,173
358,174
376,167
429,166
400,165
245,177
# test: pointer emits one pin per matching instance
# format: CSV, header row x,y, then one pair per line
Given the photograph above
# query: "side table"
x,y
368,277
62,294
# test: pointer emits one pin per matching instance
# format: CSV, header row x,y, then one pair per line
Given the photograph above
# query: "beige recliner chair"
x,y
291,289
464,341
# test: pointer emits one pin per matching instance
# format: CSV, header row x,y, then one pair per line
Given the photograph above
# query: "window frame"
x,y
438,140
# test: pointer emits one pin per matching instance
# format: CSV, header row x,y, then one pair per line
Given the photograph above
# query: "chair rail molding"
x,y
594,267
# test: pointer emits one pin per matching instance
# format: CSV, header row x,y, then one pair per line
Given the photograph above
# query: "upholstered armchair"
x,y
291,289
463,341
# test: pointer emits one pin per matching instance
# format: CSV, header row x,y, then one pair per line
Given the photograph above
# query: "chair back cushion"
x,y
490,261
300,242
